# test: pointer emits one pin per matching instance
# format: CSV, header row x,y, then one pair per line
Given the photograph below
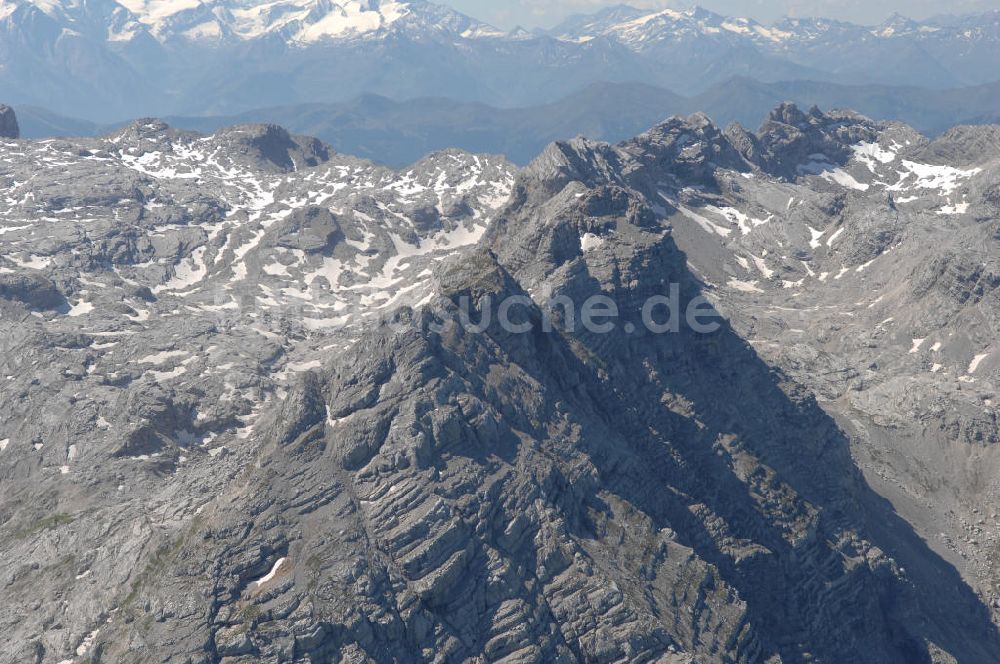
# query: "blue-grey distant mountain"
x,y
401,132
105,60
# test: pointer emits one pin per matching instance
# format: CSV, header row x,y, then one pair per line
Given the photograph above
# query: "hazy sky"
x,y
545,13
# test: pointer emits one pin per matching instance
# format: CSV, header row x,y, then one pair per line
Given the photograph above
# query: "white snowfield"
x,y
944,179
976,361
883,169
645,28
298,22
872,154
305,21
638,32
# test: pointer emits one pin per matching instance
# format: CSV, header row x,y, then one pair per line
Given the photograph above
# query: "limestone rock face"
x,y
258,404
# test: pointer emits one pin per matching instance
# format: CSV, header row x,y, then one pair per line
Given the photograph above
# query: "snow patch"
x,y
80,308
88,641
957,208
705,224
590,241
871,154
976,362
160,376
188,273
762,266
270,575
162,357
945,179
299,367
744,286
844,179
816,235
745,222
32,262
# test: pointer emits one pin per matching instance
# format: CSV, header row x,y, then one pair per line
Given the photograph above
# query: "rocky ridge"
x,y
243,424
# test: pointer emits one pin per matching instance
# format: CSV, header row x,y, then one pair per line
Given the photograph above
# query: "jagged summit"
x,y
788,113
790,143
791,140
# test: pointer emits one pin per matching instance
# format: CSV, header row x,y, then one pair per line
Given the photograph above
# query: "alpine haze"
x,y
105,61
512,13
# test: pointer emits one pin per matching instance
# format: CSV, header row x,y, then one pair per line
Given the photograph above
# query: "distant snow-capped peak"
x,y
301,22
637,28
298,20
640,29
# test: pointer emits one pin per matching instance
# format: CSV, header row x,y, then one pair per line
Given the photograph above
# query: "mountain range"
x,y
103,60
398,133
244,416
333,391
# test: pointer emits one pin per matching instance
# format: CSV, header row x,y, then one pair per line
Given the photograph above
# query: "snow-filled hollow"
x,y
278,564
